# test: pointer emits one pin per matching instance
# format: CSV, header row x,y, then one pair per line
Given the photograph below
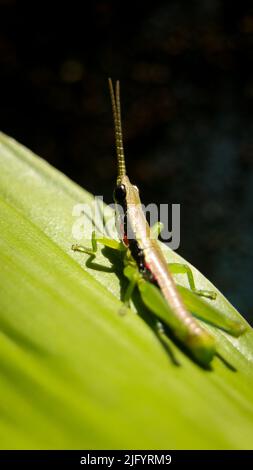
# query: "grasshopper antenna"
x,y
118,128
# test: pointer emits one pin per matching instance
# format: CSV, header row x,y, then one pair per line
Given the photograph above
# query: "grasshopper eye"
x,y
120,193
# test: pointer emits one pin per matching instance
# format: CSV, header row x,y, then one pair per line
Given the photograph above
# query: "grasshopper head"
x,y
126,193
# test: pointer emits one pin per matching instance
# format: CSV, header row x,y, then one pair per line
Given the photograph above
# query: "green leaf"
x,y
73,372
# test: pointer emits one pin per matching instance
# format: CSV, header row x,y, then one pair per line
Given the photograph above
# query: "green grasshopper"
x,y
145,266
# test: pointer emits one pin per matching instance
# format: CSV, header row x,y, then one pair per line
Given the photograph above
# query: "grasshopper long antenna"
x,y
118,128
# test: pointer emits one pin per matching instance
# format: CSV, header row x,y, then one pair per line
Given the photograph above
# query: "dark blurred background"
x,y
187,100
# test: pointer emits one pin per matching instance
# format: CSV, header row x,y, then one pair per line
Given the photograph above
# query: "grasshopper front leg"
x,y
83,249
107,242
110,243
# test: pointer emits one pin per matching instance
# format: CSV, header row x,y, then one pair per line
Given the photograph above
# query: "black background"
x,y
187,103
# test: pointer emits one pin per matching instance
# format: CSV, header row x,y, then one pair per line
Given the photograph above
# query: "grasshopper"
x,y
146,267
